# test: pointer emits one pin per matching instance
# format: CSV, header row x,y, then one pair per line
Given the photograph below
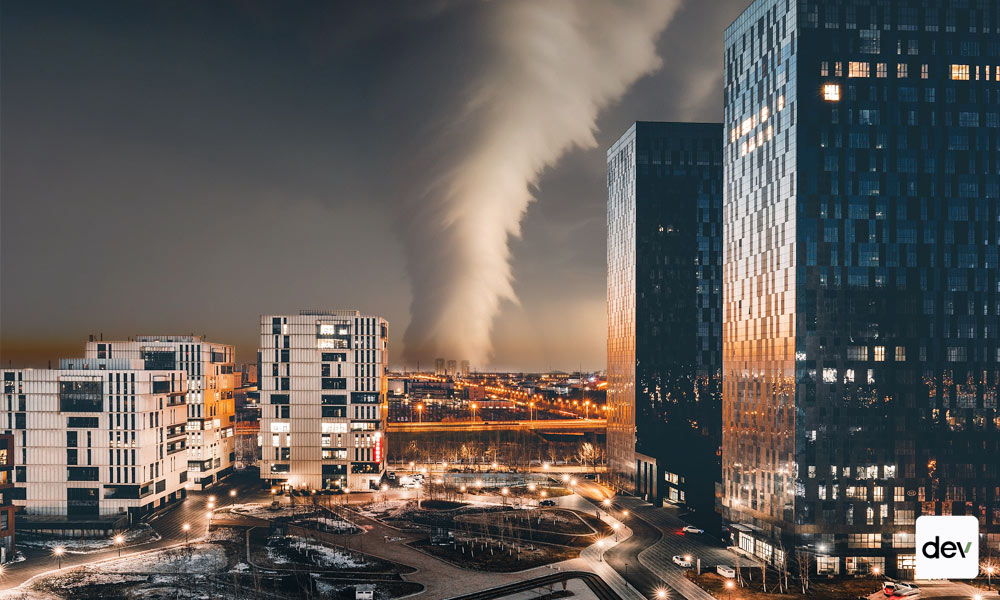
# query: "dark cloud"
x,y
186,166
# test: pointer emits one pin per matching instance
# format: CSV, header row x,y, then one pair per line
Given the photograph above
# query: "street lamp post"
x,y
119,541
187,532
729,586
59,551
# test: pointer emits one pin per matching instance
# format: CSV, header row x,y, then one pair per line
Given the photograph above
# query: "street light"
x,y
661,593
729,586
59,551
616,526
232,493
600,546
119,541
187,530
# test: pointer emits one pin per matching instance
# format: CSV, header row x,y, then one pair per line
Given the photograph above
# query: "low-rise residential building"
x,y
211,408
96,439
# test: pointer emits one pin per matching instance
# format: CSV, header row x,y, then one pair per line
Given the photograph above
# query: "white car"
x,y
726,571
899,589
692,529
682,561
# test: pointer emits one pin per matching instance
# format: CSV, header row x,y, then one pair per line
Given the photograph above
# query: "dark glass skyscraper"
x,y
861,276
665,311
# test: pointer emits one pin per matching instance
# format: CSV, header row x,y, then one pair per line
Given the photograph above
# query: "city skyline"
x,y
275,109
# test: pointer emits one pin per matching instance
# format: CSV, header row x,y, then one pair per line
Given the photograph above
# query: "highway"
x,y
543,425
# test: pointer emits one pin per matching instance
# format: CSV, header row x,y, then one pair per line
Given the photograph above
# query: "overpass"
x,y
539,425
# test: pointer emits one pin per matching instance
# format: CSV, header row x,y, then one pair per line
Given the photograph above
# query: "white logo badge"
x,y
947,547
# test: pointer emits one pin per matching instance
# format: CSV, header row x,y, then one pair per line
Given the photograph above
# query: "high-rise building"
x,y
323,380
96,439
862,205
665,312
7,547
439,366
211,408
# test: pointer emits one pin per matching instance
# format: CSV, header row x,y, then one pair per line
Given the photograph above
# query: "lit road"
x,y
549,425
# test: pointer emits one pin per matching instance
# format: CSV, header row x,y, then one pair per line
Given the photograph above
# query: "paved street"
x,y
169,524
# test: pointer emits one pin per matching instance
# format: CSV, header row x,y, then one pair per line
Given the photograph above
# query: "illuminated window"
x,y
857,69
280,427
746,126
763,114
831,92
781,99
958,72
824,69
900,353
838,69
743,148
924,74
879,353
770,132
901,70
881,70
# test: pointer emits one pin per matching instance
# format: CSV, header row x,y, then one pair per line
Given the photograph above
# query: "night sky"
x,y
183,167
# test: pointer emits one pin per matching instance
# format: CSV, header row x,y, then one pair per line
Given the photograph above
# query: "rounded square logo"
x,y
947,547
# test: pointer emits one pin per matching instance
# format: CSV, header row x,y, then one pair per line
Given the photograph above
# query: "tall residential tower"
x,y
665,311
862,204
323,404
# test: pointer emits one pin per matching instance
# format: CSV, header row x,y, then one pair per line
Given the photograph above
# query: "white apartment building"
x,y
96,438
211,408
322,379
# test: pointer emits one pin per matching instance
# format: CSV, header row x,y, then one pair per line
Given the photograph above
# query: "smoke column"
x,y
547,70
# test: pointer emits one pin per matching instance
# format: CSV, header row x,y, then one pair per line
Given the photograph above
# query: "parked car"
x,y
682,561
692,529
391,476
726,571
590,476
547,503
899,589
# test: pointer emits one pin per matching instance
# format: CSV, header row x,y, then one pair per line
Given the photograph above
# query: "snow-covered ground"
x,y
265,511
140,534
324,556
202,558
329,523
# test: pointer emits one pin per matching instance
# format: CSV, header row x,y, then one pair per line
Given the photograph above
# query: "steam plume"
x,y
548,69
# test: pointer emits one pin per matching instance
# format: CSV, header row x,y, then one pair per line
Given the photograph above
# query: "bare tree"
x,y
803,559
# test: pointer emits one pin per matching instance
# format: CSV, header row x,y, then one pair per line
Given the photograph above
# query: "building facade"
x,y
861,280
96,438
7,547
323,378
665,312
211,407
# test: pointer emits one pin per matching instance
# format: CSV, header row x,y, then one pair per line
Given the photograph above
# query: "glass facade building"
x,y
665,311
861,294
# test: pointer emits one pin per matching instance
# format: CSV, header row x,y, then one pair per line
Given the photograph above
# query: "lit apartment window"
x,y
879,353
881,70
901,70
781,99
900,353
831,92
838,69
763,114
824,69
857,69
958,72
924,74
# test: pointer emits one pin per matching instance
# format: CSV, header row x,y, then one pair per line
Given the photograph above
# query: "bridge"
x,y
539,425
